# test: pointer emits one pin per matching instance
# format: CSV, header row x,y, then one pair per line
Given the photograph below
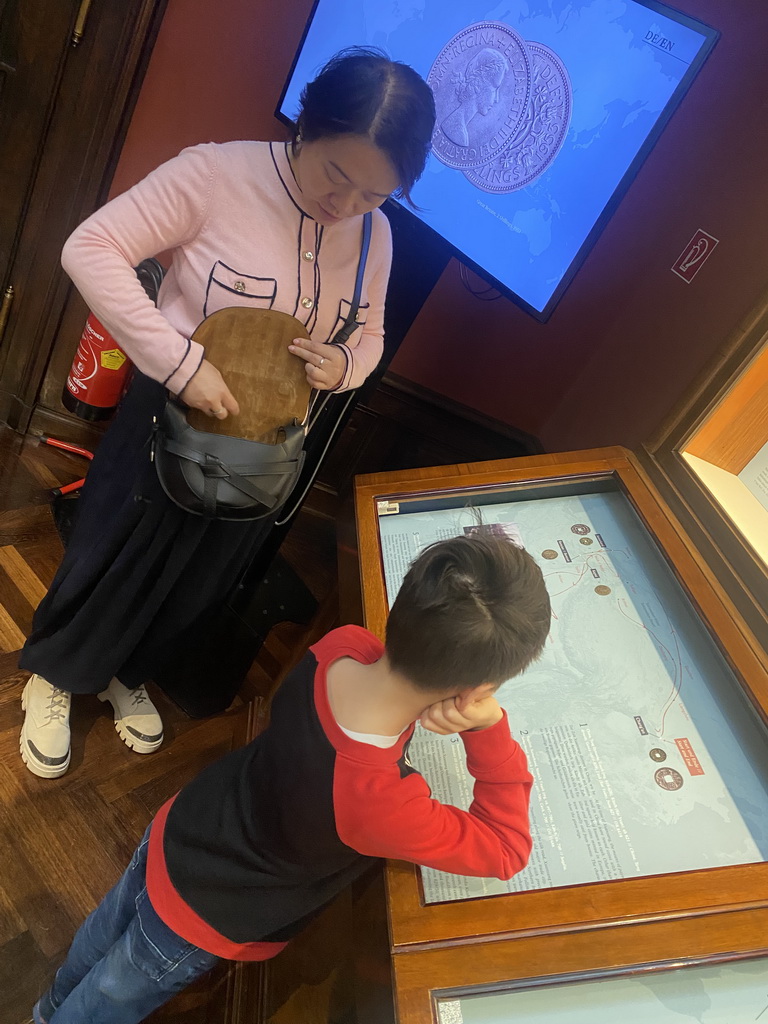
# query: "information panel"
x,y
754,476
733,993
646,756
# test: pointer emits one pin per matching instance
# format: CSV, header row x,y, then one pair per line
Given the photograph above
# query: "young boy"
x,y
246,854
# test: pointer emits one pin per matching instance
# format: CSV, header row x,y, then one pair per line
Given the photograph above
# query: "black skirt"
x,y
139,574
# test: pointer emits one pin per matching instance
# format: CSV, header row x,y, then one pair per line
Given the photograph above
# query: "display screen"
x,y
545,109
646,756
718,993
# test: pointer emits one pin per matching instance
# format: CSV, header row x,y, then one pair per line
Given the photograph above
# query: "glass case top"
x,y
646,756
725,993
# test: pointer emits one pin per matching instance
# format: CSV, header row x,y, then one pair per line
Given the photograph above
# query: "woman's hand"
x,y
458,714
207,391
325,364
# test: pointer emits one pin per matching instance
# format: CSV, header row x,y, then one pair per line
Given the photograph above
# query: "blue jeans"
x,y
123,962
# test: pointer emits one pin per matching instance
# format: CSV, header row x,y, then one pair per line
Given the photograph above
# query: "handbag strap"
x,y
340,338
343,334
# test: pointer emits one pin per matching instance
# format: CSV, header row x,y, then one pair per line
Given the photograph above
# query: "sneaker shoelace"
x,y
58,705
139,696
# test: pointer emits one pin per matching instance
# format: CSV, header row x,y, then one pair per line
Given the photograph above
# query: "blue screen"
x,y
545,110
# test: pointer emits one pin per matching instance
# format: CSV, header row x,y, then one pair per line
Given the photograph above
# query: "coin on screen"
x,y
668,778
549,553
542,130
657,754
602,590
481,81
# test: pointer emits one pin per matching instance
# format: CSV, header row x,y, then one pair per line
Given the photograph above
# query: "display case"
x,y
710,462
644,723
640,978
723,989
728,453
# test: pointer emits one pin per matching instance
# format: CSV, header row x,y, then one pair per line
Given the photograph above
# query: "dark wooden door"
x,y
34,38
70,71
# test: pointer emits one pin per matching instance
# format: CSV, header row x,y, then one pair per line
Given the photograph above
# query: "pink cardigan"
x,y
232,216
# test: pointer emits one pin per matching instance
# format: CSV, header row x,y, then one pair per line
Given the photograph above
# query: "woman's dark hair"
x,y
471,610
361,91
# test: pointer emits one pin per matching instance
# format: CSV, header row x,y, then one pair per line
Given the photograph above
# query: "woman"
x,y
271,225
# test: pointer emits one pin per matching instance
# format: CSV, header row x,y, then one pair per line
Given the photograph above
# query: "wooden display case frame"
x,y
497,925
724,420
423,979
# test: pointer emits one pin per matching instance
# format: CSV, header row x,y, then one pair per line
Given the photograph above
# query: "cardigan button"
x,y
239,286
307,303
308,256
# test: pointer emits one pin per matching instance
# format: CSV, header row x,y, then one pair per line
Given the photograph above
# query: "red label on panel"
x,y
692,762
694,255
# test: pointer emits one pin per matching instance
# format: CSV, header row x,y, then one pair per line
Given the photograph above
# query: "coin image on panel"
x,y
549,553
586,540
668,778
481,81
580,529
657,754
602,590
542,131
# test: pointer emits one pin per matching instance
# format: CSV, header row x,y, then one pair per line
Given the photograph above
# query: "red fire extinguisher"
x,y
100,369
98,374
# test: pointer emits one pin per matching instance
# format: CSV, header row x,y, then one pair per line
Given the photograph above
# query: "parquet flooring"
x,y
64,842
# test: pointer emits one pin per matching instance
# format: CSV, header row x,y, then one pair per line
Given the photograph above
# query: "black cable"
x,y
481,293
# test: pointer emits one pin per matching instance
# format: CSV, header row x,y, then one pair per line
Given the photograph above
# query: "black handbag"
x,y
233,478
223,477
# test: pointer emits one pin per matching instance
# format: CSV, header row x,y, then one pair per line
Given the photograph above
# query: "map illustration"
x,y
646,757
731,993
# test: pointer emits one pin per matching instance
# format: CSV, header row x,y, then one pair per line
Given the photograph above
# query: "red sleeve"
x,y
380,814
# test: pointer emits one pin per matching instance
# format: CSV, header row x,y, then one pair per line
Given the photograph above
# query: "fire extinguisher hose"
x,y
75,449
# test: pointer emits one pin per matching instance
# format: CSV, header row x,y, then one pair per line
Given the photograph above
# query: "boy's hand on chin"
x,y
458,714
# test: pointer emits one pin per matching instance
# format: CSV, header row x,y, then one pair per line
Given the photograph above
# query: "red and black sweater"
x,y
247,853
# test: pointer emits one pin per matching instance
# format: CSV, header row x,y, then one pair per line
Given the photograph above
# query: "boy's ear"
x,y
473,693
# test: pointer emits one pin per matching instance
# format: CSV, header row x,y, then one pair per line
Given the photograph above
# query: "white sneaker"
x,y
44,743
137,721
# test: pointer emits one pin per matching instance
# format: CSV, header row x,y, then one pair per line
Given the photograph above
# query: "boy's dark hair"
x,y
361,91
471,610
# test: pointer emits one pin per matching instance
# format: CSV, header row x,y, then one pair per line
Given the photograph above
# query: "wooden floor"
x,y
64,842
